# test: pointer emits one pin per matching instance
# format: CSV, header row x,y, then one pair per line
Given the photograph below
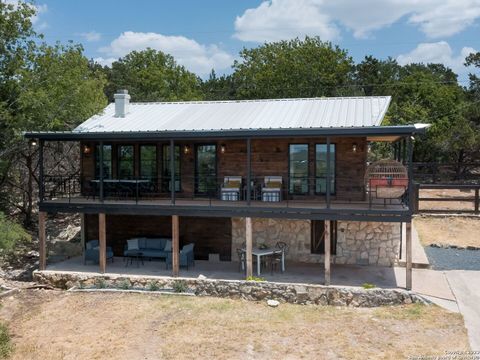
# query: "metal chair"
x,y
242,258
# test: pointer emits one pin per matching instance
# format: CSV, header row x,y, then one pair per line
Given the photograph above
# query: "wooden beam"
x,y
175,245
42,241
408,255
82,235
249,245
102,237
326,242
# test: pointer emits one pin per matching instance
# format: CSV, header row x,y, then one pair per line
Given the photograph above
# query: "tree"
x,y
377,77
295,68
151,75
219,88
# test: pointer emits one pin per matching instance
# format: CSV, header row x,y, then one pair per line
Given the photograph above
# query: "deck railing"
x,y
213,191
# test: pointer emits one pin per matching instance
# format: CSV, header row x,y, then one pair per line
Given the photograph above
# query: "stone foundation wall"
x,y
366,243
248,290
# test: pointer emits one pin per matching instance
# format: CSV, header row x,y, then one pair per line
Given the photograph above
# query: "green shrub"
x,y
255,278
100,283
11,233
153,286
179,286
368,286
5,344
124,284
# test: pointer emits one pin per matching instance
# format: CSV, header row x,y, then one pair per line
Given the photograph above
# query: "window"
x,y
205,169
317,244
148,161
126,162
321,168
107,161
298,168
166,168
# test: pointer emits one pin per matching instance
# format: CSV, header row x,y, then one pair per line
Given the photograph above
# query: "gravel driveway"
x,y
453,259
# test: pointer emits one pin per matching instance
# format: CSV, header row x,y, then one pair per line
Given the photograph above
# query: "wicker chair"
x,y
387,179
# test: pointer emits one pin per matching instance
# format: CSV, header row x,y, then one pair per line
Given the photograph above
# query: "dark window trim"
x,y
162,168
195,173
118,158
334,192
140,158
333,237
308,169
96,155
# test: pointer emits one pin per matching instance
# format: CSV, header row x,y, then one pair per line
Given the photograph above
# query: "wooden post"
x,y
42,241
326,241
328,184
249,170
102,237
82,235
249,245
408,255
175,245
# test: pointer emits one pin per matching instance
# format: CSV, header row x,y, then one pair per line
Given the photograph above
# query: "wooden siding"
x,y
269,157
210,235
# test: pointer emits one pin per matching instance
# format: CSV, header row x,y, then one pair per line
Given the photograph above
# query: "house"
x,y
229,175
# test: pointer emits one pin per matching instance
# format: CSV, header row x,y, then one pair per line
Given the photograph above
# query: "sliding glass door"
x,y
205,169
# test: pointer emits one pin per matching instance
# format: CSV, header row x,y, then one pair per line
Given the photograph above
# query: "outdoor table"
x,y
266,252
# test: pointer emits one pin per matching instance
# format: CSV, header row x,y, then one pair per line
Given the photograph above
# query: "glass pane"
x,y
298,157
321,168
107,161
166,168
125,162
148,161
206,168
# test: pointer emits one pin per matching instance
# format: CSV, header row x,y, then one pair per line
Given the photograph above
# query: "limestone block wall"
x,y
367,243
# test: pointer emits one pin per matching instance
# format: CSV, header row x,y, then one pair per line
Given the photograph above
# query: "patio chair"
x,y
92,252
231,188
241,260
186,257
272,189
276,258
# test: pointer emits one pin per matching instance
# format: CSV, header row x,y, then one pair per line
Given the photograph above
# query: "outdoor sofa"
x,y
148,247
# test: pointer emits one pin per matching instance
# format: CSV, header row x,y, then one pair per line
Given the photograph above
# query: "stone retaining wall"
x,y
248,290
365,243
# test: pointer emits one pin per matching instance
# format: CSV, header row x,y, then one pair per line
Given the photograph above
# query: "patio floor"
x,y
347,275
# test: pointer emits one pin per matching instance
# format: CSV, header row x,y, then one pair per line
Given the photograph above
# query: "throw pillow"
x,y
132,244
168,246
273,185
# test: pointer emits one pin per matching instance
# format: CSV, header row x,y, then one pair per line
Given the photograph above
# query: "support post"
x,y
408,255
172,172
41,188
42,241
327,185
82,235
101,172
326,242
249,246
175,245
102,238
249,170
410,176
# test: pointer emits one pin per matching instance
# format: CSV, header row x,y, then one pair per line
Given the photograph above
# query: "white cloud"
x,y
438,52
196,57
284,19
91,36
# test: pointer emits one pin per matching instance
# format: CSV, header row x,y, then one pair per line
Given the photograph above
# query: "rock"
x,y
273,303
201,277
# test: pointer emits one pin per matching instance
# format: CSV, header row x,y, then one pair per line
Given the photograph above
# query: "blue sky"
x,y
209,33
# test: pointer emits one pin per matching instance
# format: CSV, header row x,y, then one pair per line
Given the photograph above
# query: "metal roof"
x,y
200,116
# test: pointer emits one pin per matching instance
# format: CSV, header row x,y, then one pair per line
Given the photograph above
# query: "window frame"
x,y
96,170
165,178
308,169
118,160
333,190
155,172
195,152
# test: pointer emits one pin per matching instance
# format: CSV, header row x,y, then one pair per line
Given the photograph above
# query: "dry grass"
x,y
59,325
459,231
447,194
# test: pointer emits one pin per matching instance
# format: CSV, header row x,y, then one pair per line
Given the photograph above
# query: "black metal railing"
x,y
274,190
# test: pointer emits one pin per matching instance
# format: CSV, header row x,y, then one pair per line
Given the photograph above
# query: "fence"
x,y
455,196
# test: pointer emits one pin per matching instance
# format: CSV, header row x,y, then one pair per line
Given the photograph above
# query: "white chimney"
x,y
122,100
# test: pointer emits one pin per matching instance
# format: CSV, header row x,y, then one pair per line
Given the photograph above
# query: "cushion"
x,y
91,244
273,185
187,248
168,246
157,244
232,184
132,244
